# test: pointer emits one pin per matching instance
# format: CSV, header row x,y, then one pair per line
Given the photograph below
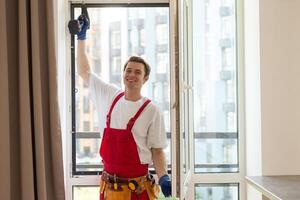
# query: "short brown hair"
x,y
139,60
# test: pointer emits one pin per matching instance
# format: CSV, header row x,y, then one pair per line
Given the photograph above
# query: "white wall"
x,y
272,87
277,55
280,86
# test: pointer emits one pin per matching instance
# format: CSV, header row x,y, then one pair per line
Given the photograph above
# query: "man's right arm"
x,y
83,66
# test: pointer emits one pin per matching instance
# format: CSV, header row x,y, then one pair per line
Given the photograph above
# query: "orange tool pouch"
x,y
152,190
115,188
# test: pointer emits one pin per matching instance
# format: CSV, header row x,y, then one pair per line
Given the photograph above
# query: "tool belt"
x,y
121,188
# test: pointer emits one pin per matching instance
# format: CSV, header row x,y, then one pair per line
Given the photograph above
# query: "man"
x,y
134,133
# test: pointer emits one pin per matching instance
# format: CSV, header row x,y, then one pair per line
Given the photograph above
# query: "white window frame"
x,y
239,177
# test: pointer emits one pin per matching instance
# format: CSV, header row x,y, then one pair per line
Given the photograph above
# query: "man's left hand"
x,y
165,184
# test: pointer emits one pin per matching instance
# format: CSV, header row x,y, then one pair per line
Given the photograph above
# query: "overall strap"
x,y
133,119
108,116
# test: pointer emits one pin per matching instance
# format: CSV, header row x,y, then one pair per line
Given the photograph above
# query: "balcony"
x,y
138,23
162,48
115,52
225,11
161,77
139,50
161,19
229,107
225,43
226,75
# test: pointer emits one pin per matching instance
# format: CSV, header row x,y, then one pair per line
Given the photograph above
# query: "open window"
x,y
193,50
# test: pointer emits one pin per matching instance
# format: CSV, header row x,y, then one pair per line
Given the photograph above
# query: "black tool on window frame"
x,y
75,25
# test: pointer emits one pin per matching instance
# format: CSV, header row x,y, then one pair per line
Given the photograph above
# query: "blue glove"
x,y
85,25
165,184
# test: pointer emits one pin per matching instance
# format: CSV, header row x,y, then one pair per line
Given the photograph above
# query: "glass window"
x,y
162,63
86,104
86,125
142,37
105,37
161,11
227,27
87,156
215,85
142,13
216,191
115,39
116,65
85,192
162,34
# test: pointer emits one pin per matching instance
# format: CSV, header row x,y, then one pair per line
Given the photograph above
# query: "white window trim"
x,y
215,178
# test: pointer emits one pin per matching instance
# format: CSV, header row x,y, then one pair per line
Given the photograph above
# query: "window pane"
x,y
87,156
85,192
215,86
115,34
216,155
86,117
216,191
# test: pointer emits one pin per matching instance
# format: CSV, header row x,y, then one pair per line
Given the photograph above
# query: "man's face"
x,y
134,75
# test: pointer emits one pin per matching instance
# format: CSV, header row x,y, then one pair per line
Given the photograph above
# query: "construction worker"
x,y
134,133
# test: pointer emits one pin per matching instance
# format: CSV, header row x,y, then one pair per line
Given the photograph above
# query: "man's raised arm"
x,y
83,66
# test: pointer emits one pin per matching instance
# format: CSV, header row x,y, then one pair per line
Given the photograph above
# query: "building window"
x,y
86,126
115,35
162,63
116,65
86,104
162,34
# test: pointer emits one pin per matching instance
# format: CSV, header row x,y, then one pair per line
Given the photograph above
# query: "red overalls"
x,y
119,151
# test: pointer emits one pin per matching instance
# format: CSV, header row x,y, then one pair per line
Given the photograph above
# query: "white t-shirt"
x,y
148,130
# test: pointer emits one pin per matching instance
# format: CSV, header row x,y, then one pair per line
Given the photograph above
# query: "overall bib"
x,y
122,164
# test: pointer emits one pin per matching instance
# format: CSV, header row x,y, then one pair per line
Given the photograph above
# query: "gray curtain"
x,y
30,141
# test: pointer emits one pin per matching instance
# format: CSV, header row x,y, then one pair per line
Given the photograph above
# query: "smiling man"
x,y
133,131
